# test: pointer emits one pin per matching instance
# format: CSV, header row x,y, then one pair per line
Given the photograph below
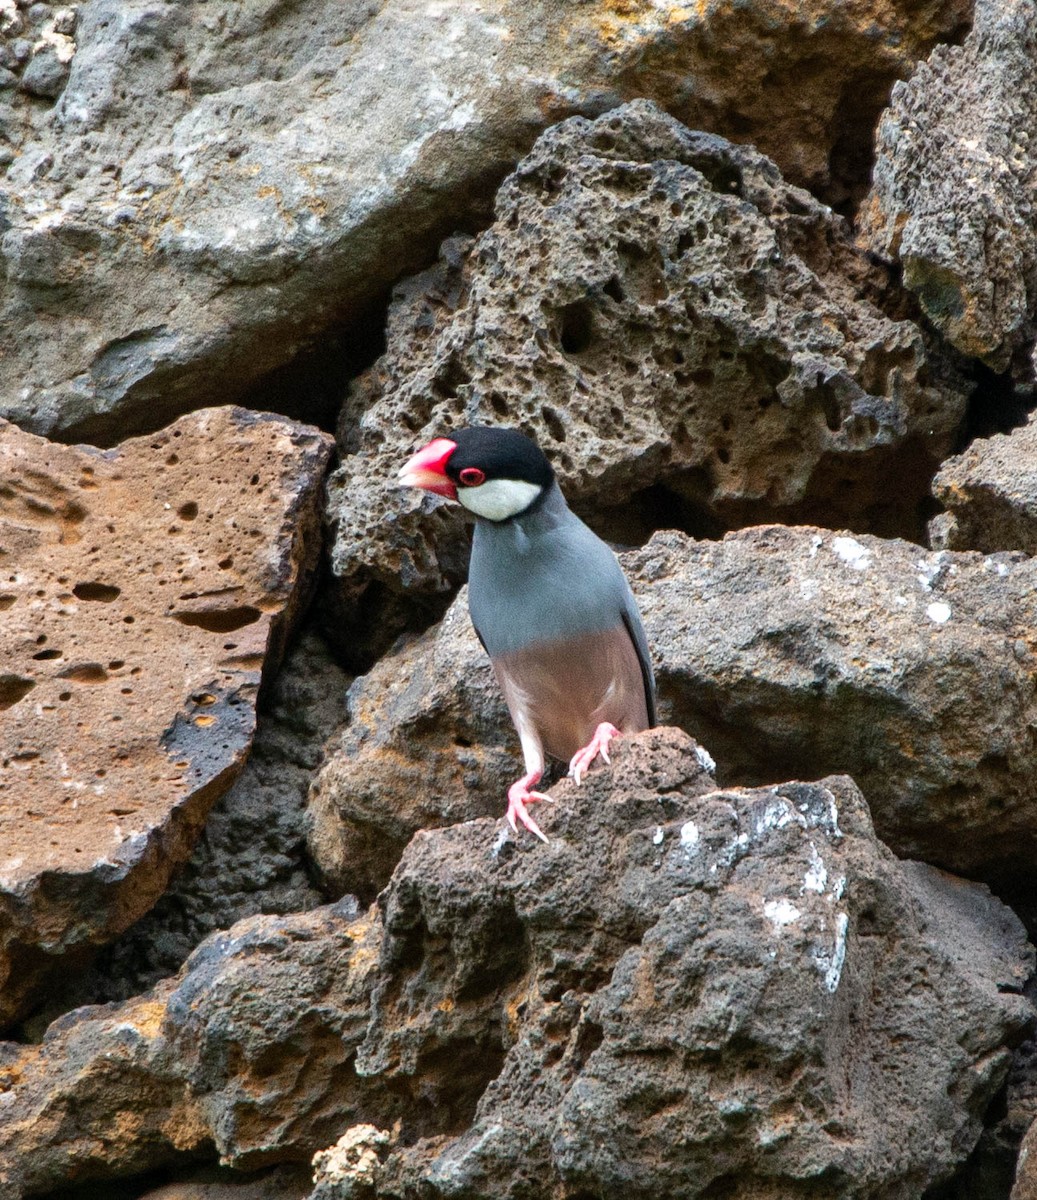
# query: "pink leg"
x,y
519,796
599,744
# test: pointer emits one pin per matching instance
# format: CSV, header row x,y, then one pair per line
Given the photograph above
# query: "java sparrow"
x,y
549,602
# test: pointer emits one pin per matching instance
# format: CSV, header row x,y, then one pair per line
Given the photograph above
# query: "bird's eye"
x,y
472,476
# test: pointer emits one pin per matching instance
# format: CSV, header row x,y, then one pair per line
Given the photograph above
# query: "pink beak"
x,y
427,469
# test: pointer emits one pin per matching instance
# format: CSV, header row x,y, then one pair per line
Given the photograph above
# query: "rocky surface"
x,y
989,493
1026,1177
790,652
143,591
668,319
251,855
954,186
716,978
192,192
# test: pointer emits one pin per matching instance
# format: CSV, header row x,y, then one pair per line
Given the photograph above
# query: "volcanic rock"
x,y
674,325
790,653
144,590
955,183
990,494
687,990
251,856
216,185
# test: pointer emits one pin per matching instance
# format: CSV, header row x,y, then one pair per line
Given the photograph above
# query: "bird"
x,y
549,603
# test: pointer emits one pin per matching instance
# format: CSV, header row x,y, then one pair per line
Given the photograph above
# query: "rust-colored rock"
x,y
142,590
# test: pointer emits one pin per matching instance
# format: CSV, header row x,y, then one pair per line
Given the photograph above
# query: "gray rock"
x,y
670,320
789,652
688,990
277,166
954,187
45,74
990,495
699,992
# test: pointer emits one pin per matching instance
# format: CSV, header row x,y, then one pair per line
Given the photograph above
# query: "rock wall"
x,y
759,279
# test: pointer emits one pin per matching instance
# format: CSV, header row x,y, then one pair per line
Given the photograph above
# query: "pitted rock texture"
x,y
1026,1174
989,492
788,652
251,856
249,1050
697,991
666,316
194,192
955,183
143,591
691,988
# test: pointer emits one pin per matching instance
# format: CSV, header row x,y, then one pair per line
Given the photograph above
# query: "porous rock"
x,y
989,494
697,993
1026,1174
668,319
251,856
250,1050
144,589
790,653
214,186
954,186
687,989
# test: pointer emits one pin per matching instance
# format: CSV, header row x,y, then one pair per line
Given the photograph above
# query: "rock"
x,y
790,653
990,494
954,184
675,325
215,187
251,855
1026,1174
145,589
249,1051
428,743
686,989
350,1167
697,991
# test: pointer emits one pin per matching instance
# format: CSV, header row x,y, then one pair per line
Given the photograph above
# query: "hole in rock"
x,y
104,593
13,688
224,620
576,328
47,654
188,511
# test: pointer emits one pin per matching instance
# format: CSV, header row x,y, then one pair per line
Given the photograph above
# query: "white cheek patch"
x,y
499,499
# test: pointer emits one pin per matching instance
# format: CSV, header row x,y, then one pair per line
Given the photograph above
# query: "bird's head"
x,y
495,473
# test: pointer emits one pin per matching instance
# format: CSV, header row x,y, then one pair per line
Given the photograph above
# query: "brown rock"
x,y
687,336
990,495
791,653
143,589
954,186
249,1050
687,991
280,1183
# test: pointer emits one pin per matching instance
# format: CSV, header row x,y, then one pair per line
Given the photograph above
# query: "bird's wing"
x,y
632,621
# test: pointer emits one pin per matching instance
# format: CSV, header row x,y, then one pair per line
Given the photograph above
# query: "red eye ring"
x,y
472,477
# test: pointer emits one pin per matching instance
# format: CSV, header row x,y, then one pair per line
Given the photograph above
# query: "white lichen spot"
x,y
838,888
808,588
830,963
776,815
498,842
938,612
705,760
781,912
851,552
351,1163
657,840
816,542
689,837
816,877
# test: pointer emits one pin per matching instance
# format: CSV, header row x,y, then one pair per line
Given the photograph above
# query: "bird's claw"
x,y
518,797
599,744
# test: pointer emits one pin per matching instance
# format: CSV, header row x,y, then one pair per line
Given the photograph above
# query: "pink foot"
x,y
519,796
599,744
